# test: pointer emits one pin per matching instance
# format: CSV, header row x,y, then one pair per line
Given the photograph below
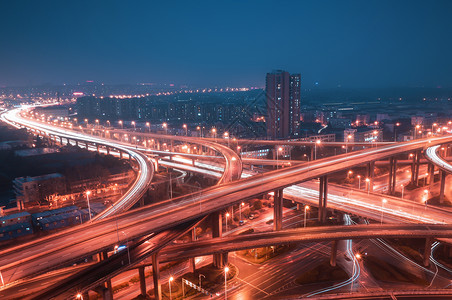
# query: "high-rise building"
x,y
283,104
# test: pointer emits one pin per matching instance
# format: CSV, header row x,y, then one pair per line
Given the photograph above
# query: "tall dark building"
x,y
283,104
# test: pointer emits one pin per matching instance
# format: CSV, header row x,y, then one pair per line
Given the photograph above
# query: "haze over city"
x,y
204,43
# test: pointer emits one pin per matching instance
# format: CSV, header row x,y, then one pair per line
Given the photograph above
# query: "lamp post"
x,y
165,126
403,187
127,241
79,296
214,131
226,270
395,131
121,123
306,208
349,173
359,182
425,178
226,136
346,142
186,129
133,123
200,131
240,206
315,148
227,216
87,200
355,259
169,283
382,209
148,125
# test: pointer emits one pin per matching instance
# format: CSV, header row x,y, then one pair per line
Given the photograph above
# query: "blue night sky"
x,y
226,43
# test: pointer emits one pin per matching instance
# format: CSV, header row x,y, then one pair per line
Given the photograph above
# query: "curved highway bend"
x,y
145,173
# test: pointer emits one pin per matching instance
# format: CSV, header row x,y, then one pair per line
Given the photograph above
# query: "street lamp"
x,y
127,241
382,208
186,129
395,131
368,185
121,123
133,123
240,206
169,283
356,257
403,187
226,136
425,178
346,142
350,172
148,125
165,125
226,270
214,131
87,200
200,132
315,148
306,208
227,216
359,182
79,296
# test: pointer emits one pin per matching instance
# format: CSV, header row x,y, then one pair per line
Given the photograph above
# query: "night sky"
x,y
227,43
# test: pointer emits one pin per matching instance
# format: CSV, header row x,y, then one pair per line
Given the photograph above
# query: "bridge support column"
x,y
156,277
427,251
61,140
108,149
277,210
418,160
76,143
442,186
431,174
323,198
370,175
142,281
97,147
390,175
217,231
333,254
120,154
107,292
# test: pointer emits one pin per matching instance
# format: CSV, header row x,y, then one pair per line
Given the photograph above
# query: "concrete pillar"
x,y
97,147
156,277
278,210
61,140
390,175
394,175
217,231
333,254
142,281
413,169
418,159
76,143
370,175
107,293
120,154
431,174
108,149
320,217
442,186
427,251
312,153
325,198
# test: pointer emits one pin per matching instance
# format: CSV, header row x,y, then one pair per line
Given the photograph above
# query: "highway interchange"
x,y
89,238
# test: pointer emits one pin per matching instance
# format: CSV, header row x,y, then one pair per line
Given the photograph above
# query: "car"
x,y
241,223
251,216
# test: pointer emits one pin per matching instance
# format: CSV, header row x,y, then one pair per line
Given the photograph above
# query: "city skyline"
x,y
348,43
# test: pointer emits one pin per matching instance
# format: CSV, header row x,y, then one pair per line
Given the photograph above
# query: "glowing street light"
x,y
186,129
79,296
133,123
356,257
306,208
227,216
169,283
277,156
359,182
240,206
226,270
121,123
368,185
148,125
165,126
315,148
